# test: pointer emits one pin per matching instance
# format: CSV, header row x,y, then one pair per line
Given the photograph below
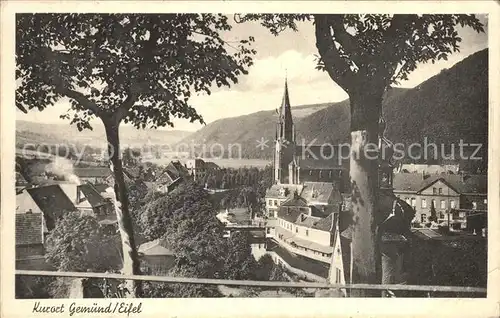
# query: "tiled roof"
x,y
92,195
101,187
321,193
29,228
290,213
52,201
326,224
156,247
92,172
295,201
414,182
274,190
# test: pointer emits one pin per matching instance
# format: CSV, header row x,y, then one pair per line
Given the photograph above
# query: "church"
x,y
295,163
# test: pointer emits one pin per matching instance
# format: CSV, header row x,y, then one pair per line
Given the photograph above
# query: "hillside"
x,y
247,129
450,106
31,132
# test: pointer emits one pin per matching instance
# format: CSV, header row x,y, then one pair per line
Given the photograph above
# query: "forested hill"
x,y
450,106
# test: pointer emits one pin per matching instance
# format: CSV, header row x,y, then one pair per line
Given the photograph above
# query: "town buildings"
x,y
303,205
450,194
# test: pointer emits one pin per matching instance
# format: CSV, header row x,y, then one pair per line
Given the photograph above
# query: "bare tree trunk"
x,y
131,265
364,187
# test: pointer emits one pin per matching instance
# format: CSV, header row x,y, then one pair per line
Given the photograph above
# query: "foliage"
x,y
239,264
131,157
433,216
77,243
124,64
375,49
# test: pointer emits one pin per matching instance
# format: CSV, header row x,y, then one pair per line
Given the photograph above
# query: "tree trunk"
x,y
365,255
131,265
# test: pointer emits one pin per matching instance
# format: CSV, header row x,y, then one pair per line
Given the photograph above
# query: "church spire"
x,y
285,119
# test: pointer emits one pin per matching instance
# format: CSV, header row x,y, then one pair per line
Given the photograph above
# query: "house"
x,y
90,199
173,174
49,200
445,192
156,257
305,230
198,168
30,237
428,169
277,194
93,174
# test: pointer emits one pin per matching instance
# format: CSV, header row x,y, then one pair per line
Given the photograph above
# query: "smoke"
x,y
64,168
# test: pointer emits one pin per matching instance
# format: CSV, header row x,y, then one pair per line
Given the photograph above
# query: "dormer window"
x,y
282,192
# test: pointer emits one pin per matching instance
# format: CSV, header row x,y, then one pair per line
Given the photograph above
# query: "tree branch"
x,y
348,42
335,65
79,97
122,111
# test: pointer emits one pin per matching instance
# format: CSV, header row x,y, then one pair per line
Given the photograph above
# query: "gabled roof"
x,y
295,201
92,172
274,190
414,182
156,247
321,193
290,213
326,224
29,228
52,201
92,195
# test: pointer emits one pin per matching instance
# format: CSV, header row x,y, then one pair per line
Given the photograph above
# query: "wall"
x,y
28,251
309,276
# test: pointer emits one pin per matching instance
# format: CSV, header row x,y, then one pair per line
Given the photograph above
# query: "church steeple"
x,y
285,140
285,117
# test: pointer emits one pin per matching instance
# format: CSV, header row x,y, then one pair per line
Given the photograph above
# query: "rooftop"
x,y
468,184
29,227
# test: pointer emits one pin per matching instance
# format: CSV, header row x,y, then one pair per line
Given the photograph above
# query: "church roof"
x,y
321,193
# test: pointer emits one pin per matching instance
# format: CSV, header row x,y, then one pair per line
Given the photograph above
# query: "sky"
x,y
290,55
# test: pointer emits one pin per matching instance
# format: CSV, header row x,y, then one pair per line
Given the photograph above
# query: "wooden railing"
x,y
251,283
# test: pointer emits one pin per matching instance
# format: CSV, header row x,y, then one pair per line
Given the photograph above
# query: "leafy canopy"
x,y
141,68
356,48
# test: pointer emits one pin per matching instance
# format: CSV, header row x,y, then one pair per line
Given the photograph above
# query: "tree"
x,y
433,216
133,68
364,54
77,243
131,157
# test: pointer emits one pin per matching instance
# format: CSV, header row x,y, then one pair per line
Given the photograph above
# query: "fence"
x,y
262,284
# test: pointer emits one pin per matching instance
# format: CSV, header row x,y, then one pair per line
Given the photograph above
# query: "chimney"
x,y
78,195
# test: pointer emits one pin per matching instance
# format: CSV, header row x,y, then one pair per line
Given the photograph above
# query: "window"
x,y
338,275
276,202
441,215
485,201
423,218
443,204
307,232
440,190
424,203
407,200
433,203
320,173
434,191
270,202
452,204
413,202
474,205
296,230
